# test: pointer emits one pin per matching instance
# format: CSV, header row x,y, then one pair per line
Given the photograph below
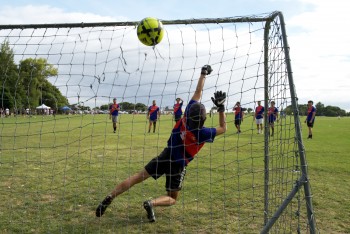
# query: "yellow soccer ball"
x,y
150,31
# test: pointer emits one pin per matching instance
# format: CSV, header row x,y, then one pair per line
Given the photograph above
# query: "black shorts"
x,y
175,173
310,125
238,121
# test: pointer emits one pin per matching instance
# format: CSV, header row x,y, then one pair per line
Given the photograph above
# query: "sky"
x,y
317,31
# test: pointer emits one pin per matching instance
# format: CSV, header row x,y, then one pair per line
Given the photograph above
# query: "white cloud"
x,y
33,14
320,52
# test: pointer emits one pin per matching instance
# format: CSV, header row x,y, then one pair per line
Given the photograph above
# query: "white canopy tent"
x,y
43,107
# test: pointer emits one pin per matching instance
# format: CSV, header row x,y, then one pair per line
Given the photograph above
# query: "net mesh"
x,y
58,163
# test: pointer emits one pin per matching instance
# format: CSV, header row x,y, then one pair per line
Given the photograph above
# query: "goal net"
x,y
59,155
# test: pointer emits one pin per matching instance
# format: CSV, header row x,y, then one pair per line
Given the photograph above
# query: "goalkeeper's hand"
x,y
206,70
219,100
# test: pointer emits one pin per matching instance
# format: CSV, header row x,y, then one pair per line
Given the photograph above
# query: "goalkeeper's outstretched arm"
x,y
206,70
219,100
222,124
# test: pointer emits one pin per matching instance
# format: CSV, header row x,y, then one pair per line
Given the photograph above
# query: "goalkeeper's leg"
x,y
120,188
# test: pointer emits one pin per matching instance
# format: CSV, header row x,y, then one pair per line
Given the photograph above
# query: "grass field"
x,y
55,171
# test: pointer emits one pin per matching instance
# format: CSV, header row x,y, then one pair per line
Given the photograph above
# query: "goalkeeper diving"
x,y
186,139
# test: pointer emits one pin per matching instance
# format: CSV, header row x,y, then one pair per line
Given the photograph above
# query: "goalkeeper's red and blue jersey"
x,y
310,112
153,112
259,111
113,109
184,143
178,109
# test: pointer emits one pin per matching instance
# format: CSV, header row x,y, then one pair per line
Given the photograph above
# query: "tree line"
x,y
127,106
25,85
321,110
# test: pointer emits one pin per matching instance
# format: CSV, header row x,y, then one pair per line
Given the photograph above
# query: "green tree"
x,y
34,74
104,107
8,77
127,106
320,109
26,85
140,107
334,111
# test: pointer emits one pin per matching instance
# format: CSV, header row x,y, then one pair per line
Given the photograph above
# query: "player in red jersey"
x,y
113,113
153,114
272,116
187,138
310,118
259,117
178,109
239,113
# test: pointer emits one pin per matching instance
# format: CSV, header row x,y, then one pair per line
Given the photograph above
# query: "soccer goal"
x,y
60,154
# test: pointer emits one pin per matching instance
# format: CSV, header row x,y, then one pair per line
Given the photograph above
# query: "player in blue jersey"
x,y
178,109
310,118
272,116
153,115
259,117
113,113
187,138
239,113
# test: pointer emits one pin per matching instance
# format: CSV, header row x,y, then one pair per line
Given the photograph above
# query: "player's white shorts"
x,y
259,121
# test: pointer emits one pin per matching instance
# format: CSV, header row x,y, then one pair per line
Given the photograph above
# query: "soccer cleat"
x,y
103,206
150,212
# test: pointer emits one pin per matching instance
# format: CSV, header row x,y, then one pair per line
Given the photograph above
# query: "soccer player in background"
x,y
113,113
259,116
272,115
178,109
239,112
186,139
153,115
310,118
7,112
